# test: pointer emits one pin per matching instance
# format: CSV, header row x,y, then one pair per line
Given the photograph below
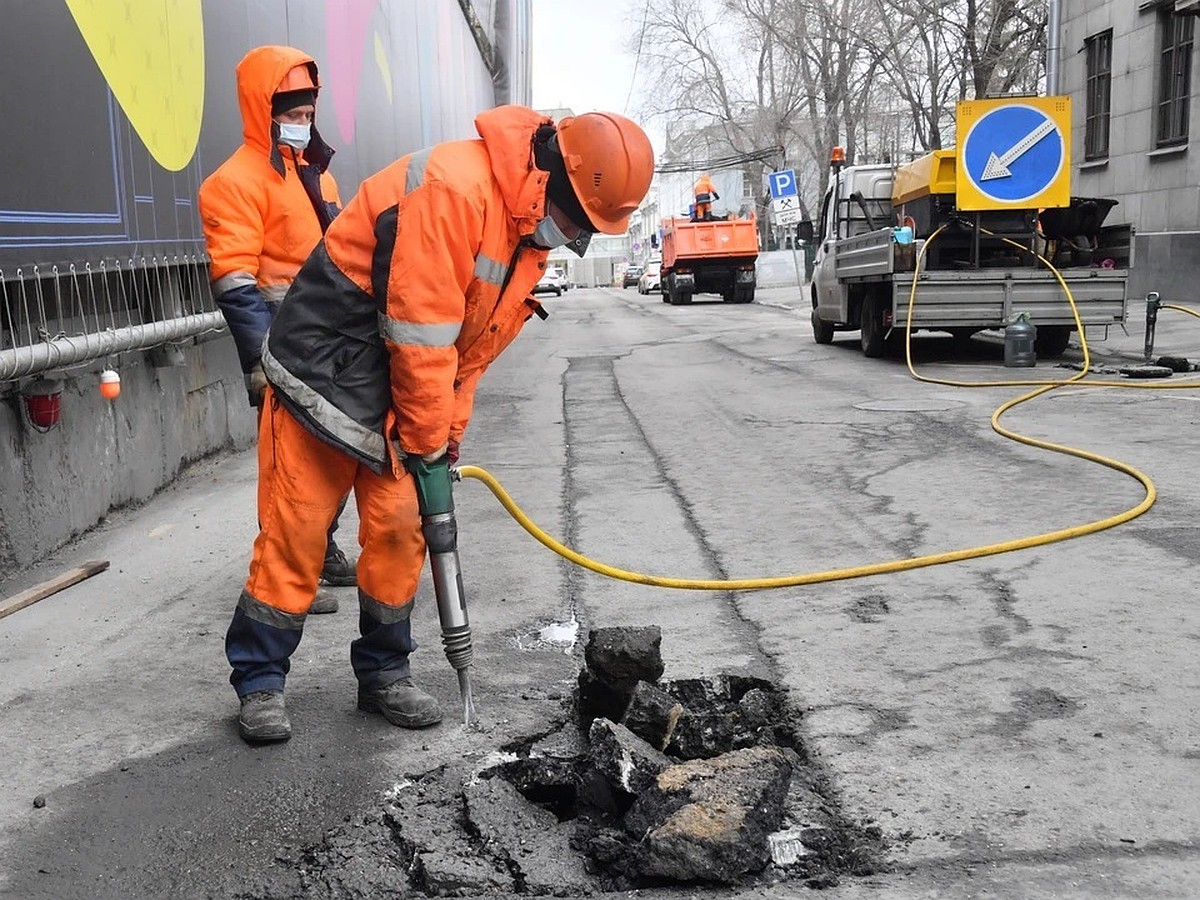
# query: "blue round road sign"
x,y
1013,153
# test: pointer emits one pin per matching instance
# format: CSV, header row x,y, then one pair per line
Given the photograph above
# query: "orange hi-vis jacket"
x,y
259,222
420,283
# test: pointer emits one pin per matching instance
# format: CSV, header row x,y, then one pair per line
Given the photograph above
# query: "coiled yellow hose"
x,y
899,565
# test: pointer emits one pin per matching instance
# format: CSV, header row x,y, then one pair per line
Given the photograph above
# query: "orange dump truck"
x,y
709,257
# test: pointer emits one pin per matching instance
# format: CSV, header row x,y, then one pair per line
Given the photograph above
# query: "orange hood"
x,y
258,75
508,132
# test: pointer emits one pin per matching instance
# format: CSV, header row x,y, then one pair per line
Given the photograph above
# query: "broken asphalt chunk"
x,y
627,762
709,820
652,715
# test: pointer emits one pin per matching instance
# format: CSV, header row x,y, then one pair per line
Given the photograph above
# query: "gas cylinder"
x,y
1019,338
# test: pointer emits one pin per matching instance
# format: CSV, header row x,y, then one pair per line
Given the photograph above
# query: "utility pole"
x,y
1053,39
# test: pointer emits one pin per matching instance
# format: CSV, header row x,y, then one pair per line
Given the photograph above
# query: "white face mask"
x,y
294,135
549,235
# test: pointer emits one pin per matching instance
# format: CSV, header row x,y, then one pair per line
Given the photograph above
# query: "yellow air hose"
x,y
899,565
1182,309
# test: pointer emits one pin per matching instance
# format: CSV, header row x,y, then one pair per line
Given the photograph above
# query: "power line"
x,y
637,59
719,162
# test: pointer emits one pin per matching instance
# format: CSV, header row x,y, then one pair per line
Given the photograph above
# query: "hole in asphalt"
x,y
642,783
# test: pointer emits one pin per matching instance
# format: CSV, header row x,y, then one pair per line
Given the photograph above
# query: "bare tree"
x,y
943,51
731,77
792,74
721,81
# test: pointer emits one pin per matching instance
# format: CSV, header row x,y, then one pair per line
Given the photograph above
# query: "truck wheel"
x,y
743,295
822,330
872,328
677,297
1052,340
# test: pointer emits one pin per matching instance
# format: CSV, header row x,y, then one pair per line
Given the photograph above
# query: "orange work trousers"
x,y
301,482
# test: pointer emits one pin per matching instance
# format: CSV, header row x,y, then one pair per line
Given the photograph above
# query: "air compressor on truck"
x,y
710,255
982,268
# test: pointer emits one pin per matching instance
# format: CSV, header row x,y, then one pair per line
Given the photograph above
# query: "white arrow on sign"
x,y
997,166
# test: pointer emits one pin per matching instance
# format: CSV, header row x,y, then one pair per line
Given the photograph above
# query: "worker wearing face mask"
x,y
263,211
423,280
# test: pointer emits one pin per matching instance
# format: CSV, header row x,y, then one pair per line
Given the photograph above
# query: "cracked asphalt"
x,y
1023,725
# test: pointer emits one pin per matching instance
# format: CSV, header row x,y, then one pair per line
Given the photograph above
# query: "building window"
x,y
1099,94
1174,78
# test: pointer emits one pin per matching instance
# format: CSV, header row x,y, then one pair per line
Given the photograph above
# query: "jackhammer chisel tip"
x,y
468,699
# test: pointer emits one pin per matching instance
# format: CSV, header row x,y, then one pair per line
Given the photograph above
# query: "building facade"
x,y
1129,67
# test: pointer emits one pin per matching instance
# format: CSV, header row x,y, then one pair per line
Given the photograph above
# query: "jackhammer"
x,y
435,499
1153,302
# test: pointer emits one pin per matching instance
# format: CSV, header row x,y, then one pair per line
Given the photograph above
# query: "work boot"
x,y
264,718
401,703
338,571
324,602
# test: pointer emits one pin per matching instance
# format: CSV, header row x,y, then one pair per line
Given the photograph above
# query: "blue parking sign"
x,y
783,183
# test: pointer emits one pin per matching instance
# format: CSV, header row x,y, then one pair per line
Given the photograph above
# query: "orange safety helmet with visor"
x,y
609,163
600,166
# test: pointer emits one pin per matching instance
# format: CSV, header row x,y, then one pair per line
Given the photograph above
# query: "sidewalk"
x,y
1175,334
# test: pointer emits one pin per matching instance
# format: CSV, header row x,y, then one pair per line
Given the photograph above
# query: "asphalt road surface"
x,y
1019,725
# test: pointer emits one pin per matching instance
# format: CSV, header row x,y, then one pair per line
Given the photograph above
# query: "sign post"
x,y
785,199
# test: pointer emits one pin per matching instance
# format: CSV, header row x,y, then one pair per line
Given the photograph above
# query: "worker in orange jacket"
x,y
705,193
419,284
263,211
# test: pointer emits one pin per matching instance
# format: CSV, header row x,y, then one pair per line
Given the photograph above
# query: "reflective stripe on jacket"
x,y
259,221
392,320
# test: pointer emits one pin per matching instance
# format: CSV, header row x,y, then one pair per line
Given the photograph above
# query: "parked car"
x,y
651,278
632,274
552,282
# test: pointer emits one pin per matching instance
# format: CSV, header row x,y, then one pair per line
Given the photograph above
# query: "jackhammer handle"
x,y
434,493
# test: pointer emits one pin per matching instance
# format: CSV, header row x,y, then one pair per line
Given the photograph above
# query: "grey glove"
x,y
256,383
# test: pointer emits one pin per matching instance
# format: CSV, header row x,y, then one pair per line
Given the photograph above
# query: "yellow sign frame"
x,y
972,195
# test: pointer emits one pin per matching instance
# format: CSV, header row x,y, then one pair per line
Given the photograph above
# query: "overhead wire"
x,y
637,60
764,154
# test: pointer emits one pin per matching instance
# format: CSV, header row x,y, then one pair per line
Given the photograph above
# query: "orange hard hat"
x,y
298,78
609,163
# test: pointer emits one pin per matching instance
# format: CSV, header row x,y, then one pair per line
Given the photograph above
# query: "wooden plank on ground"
x,y
53,586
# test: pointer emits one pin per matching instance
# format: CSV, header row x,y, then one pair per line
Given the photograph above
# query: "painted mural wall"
x,y
116,110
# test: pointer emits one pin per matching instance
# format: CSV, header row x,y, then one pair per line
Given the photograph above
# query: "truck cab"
x,y
858,201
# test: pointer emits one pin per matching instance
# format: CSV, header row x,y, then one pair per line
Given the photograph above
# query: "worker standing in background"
x,y
263,211
372,366
706,193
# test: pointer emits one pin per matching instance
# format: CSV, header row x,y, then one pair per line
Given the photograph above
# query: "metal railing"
x,y
63,317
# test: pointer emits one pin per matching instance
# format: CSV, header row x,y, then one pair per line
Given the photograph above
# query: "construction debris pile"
x,y
648,783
